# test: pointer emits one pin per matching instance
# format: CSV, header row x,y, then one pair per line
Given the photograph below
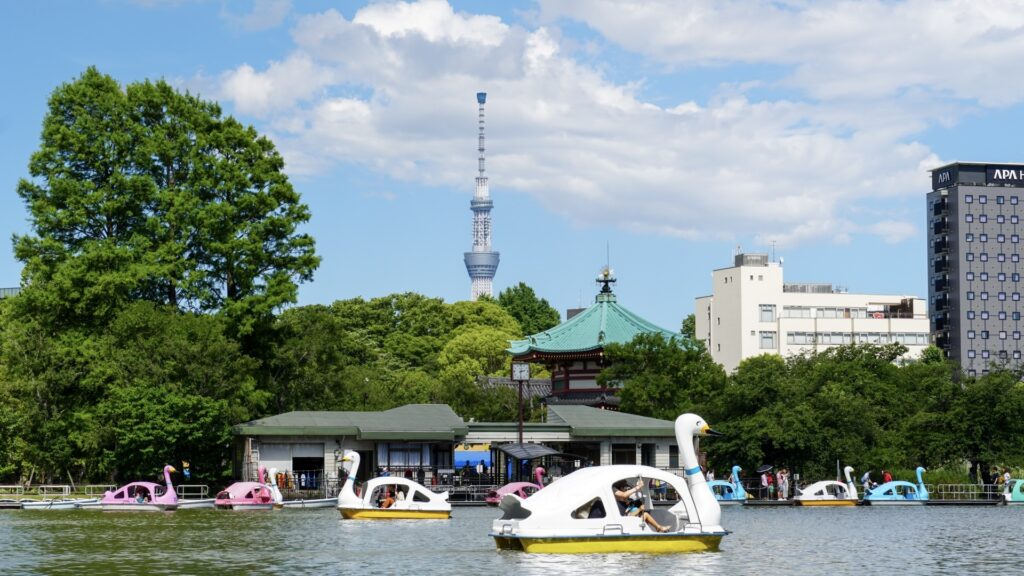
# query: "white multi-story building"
x,y
751,311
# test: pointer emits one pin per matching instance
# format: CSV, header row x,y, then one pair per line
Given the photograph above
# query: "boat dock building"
x,y
423,441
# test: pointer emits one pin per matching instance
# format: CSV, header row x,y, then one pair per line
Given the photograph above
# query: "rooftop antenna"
x,y
773,250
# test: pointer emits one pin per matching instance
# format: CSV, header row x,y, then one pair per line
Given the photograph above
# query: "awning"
x,y
534,451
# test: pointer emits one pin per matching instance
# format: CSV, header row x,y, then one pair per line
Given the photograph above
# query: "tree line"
x,y
857,404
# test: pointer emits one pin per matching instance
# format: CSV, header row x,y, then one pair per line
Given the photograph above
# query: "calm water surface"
x,y
909,540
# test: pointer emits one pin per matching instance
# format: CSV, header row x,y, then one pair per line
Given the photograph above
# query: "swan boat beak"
x,y
707,431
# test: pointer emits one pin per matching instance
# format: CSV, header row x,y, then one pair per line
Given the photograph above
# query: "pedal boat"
x,y
313,503
155,498
522,489
729,492
561,519
249,495
57,503
829,492
1015,496
898,493
419,503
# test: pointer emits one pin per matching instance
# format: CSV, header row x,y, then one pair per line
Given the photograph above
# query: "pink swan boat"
x,y
249,495
143,496
521,489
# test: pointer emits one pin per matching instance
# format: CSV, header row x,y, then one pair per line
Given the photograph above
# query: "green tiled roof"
x,y
601,324
587,421
409,422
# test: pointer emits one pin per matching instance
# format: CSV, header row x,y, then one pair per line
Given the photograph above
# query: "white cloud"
x,y
393,88
265,14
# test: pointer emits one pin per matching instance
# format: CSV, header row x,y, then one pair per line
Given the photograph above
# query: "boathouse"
x,y
422,441
573,351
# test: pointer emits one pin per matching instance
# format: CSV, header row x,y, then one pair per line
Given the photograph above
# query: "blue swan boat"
x,y
898,493
729,491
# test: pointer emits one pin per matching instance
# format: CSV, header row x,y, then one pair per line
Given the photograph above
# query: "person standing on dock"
x,y
865,481
886,477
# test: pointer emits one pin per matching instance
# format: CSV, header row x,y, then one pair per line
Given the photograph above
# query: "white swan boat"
x,y
579,513
380,500
829,492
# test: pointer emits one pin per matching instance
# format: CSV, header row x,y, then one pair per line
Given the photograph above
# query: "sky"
x,y
659,136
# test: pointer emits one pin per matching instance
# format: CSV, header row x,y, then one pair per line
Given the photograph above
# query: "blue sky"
x,y
672,133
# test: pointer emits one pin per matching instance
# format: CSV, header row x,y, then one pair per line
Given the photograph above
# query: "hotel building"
x,y
751,311
974,268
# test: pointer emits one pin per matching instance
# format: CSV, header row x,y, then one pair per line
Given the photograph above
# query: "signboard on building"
x,y
996,174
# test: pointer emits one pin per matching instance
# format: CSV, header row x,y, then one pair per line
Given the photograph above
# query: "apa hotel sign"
x,y
1005,175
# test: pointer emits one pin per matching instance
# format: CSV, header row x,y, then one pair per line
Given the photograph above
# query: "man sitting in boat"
x,y
388,500
631,503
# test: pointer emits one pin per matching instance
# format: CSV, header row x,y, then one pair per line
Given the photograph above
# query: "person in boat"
x,y
388,501
399,493
631,503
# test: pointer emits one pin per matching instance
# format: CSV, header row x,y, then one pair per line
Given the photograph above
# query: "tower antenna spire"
x,y
481,261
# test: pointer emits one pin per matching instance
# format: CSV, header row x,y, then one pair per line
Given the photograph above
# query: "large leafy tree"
x,y
533,314
145,193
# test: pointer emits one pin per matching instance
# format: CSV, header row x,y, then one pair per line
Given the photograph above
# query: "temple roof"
x,y
603,323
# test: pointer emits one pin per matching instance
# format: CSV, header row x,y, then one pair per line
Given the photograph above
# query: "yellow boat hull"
x,y
385,514
825,502
644,543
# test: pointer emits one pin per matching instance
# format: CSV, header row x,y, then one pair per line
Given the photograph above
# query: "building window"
x,y
1001,257
1013,199
972,353
983,237
1000,219
1002,276
719,319
1000,238
971,334
983,295
1015,296
760,277
1015,316
983,218
796,312
1002,334
1002,315
984,314
984,276
1015,238
970,276
1015,277
970,314
1016,354
969,237
968,199
968,217
1002,296
719,347
767,312
972,372
970,295
800,338
999,199
984,336
983,256
982,199
767,340
969,256
984,354
1014,257
1016,334
1014,219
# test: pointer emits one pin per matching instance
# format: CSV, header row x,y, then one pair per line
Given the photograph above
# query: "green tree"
x,y
662,378
689,327
533,314
144,193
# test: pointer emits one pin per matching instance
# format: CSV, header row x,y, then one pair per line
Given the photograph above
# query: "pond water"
x,y
860,540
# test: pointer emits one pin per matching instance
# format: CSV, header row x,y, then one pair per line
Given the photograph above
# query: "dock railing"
x,y
97,489
965,491
192,491
52,490
12,489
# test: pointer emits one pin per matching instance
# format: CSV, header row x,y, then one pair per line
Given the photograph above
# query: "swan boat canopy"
x,y
143,496
725,493
1015,495
389,498
249,495
829,492
579,513
898,493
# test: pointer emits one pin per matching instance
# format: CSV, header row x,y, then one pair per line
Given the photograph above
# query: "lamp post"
x,y
520,372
